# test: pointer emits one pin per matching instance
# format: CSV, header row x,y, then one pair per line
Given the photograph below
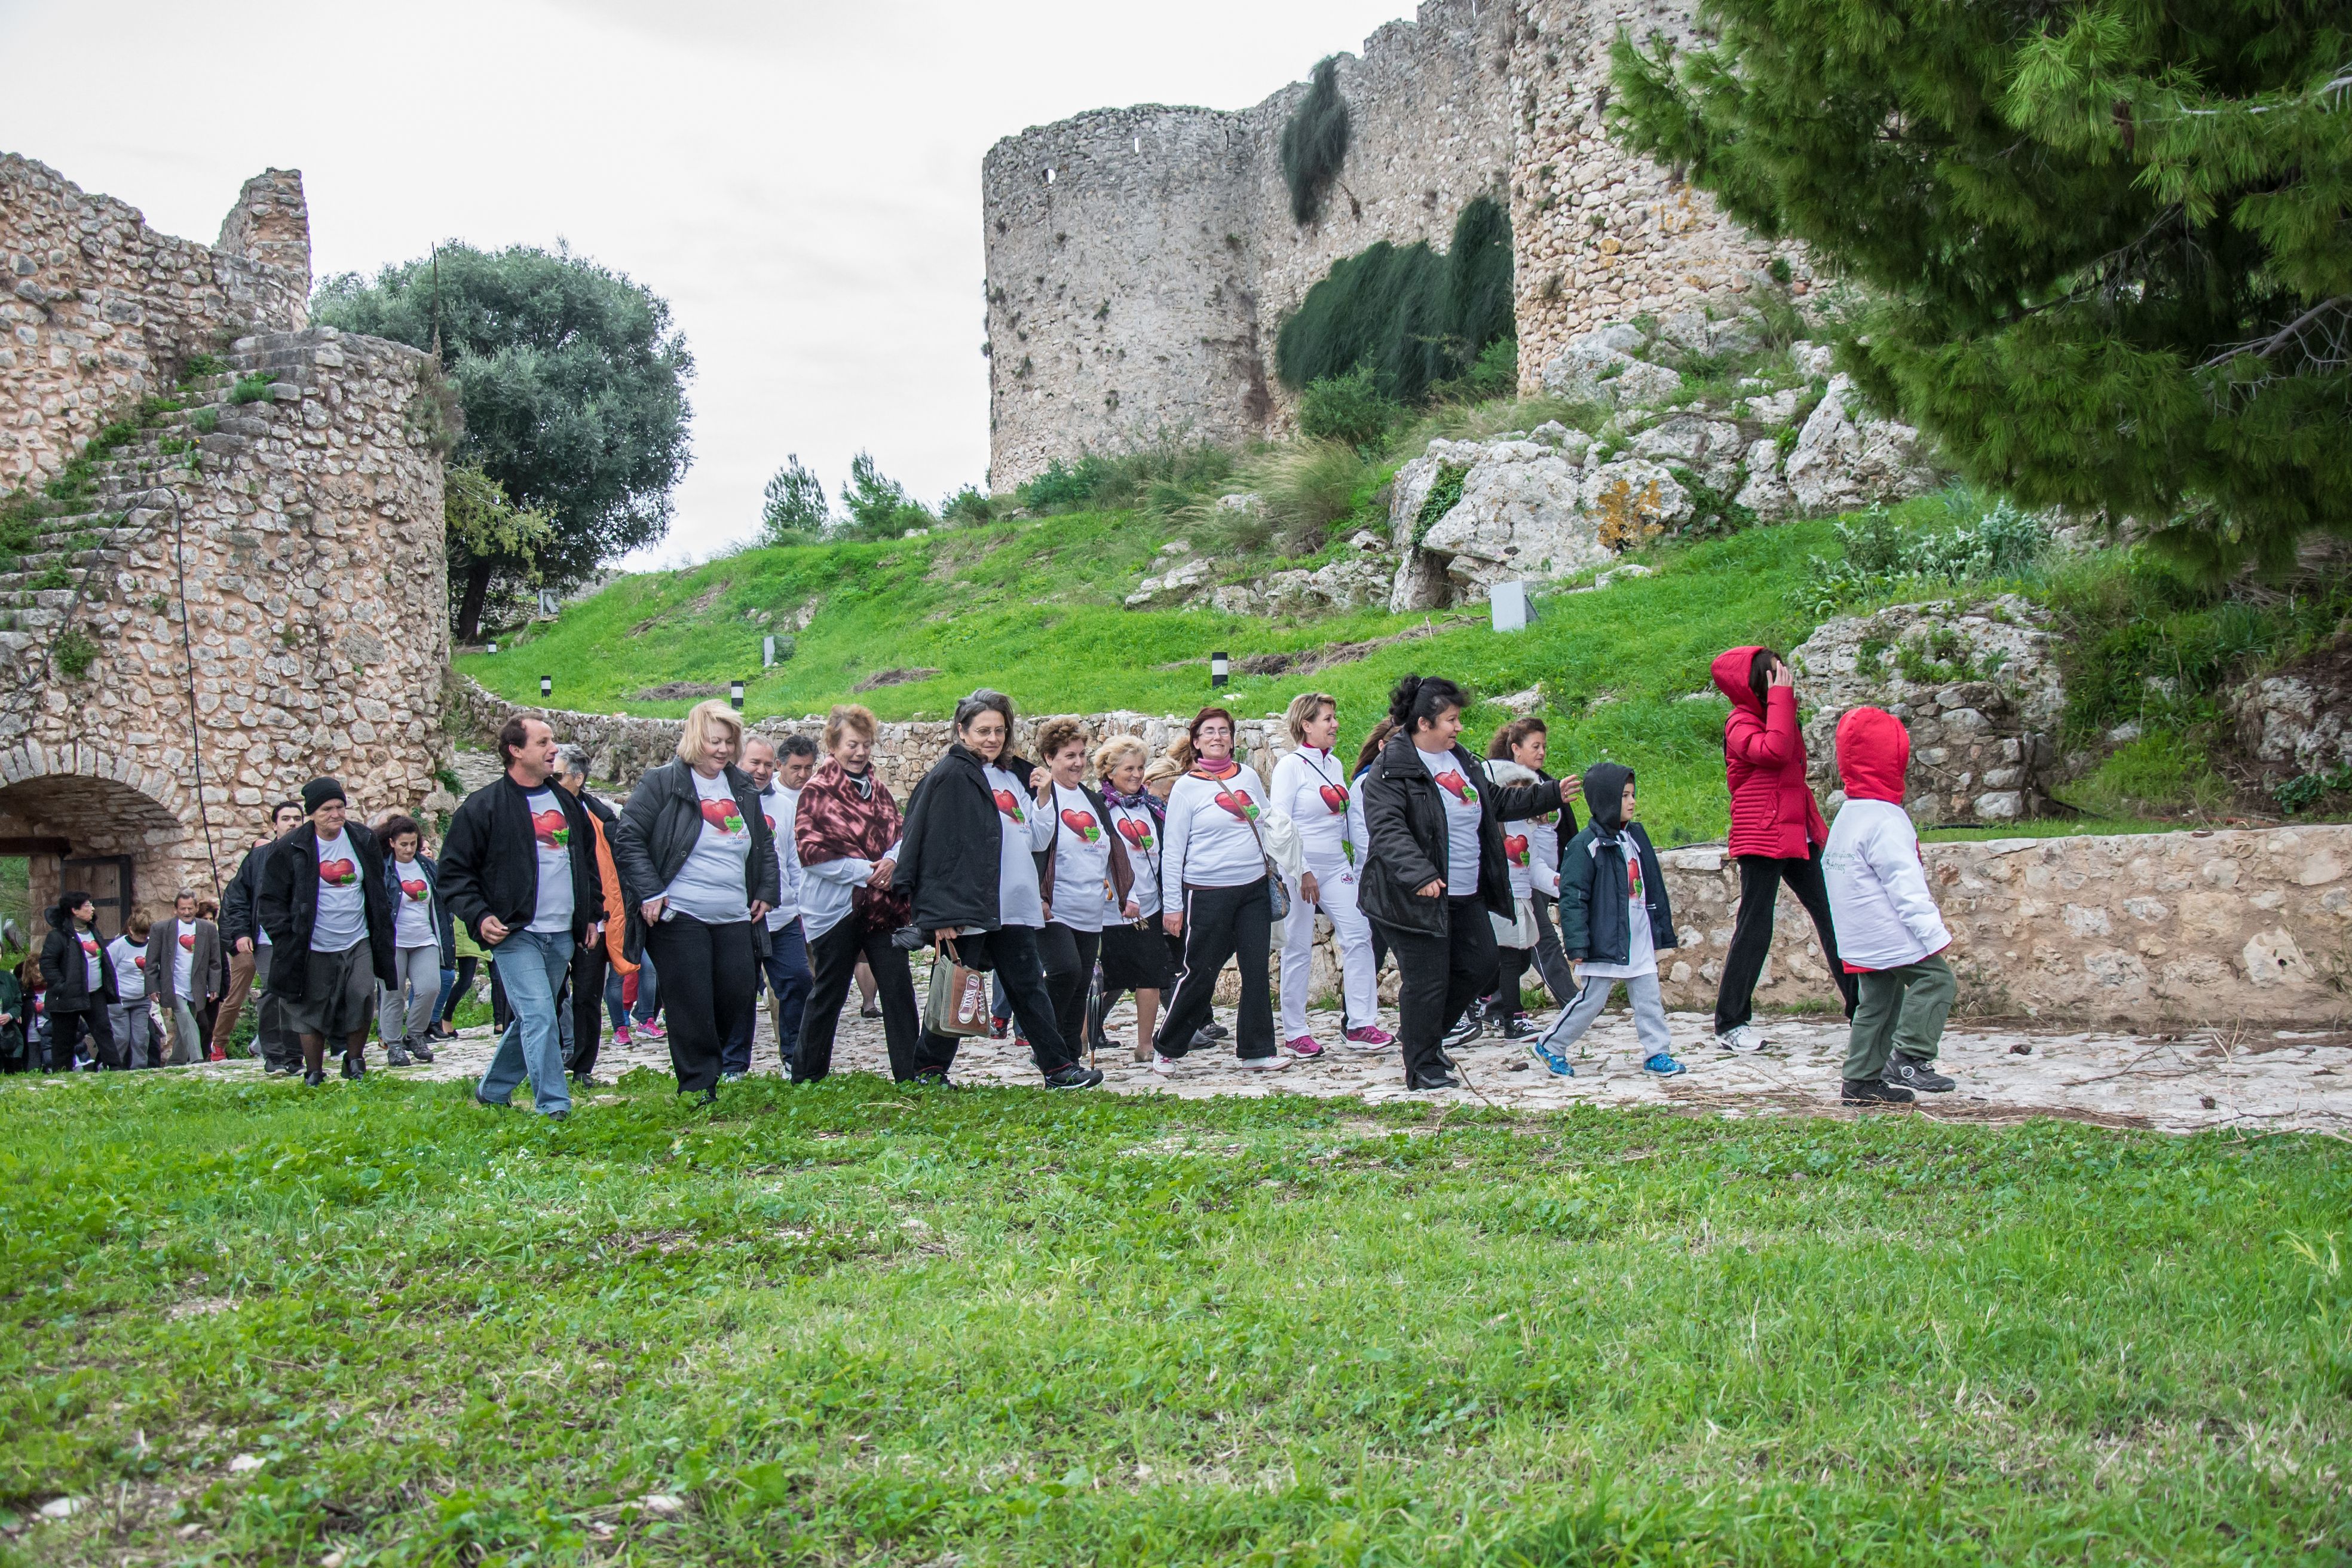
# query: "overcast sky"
x,y
801,181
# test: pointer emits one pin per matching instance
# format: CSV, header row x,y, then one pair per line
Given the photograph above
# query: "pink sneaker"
x,y
1370,1038
1164,1067
1304,1045
650,1028
621,1035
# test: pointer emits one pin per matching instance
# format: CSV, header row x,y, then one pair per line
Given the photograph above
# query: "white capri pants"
x,y
1336,882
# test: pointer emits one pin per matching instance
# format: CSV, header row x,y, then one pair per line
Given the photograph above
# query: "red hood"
x,y
1730,671
1873,753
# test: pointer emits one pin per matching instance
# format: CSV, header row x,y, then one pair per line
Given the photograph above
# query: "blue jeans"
x,y
787,968
648,993
530,967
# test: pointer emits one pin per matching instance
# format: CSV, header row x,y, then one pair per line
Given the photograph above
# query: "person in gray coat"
x,y
184,969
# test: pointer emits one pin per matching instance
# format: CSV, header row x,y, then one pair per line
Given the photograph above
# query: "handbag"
x,y
1277,893
1520,931
958,1003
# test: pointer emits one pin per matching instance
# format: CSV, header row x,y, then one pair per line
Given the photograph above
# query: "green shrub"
x,y
877,507
968,507
200,365
1883,558
2303,791
204,420
1065,487
1347,408
792,508
1493,374
252,387
1308,485
1444,494
1165,476
52,577
74,653
1315,141
1415,317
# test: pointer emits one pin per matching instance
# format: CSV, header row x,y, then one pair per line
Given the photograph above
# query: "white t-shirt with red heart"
x,y
94,971
551,837
710,886
411,907
1458,792
183,960
129,969
1081,862
1025,827
341,921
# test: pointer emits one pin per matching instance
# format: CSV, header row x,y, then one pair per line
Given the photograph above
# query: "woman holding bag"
x,y
1215,894
846,829
969,862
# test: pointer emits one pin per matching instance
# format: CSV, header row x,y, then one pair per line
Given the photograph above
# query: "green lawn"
x,y
856,1325
1038,615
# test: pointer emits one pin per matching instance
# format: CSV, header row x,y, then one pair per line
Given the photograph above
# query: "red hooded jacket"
x,y
1873,755
1772,809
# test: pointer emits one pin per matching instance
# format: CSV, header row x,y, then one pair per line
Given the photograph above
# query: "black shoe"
x,y
395,1056
1512,1025
1873,1091
1911,1073
355,1067
315,1077
1214,1030
929,1080
584,1079
1433,1080
1464,1032
871,1010
708,1097
490,1104
421,1051
1073,1077
440,1030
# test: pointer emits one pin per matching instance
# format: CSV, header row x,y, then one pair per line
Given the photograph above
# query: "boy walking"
x,y
1613,919
1890,935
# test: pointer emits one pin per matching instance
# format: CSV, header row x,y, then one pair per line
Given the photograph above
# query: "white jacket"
x,y
1879,904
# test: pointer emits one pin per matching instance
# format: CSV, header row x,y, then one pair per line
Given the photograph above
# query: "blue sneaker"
x,y
1663,1066
1553,1062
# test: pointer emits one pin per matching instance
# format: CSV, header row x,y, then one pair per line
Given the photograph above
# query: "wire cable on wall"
x,y
188,652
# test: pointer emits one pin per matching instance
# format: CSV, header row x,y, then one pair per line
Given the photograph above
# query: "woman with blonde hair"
x,y
1135,954
1310,787
847,829
695,856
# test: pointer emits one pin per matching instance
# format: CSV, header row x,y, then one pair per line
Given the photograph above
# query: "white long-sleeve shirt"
x,y
1310,787
1027,827
827,887
1879,904
1208,844
781,807
1530,844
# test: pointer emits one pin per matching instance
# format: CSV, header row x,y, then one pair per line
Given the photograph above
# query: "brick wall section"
x,y
316,609
2137,929
96,308
1139,289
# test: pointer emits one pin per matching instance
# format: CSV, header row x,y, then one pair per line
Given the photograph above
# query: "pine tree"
x,y
2108,245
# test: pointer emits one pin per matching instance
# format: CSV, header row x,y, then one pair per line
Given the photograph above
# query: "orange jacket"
x,y
616,905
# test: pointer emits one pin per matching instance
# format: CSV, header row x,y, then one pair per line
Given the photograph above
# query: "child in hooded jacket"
x,y
1890,935
1614,920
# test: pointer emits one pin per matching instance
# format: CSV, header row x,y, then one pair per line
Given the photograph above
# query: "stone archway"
x,y
126,835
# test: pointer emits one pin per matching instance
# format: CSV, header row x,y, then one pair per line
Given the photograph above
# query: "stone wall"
x,y
2141,928
289,619
2215,928
98,309
1141,261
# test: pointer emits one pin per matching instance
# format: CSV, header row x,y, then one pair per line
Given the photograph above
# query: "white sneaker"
x,y
1264,1064
1164,1067
1744,1038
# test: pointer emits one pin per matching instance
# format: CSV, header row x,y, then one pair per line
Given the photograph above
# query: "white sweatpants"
x,y
1336,883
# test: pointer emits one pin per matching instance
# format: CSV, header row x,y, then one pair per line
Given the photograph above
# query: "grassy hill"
x,y
1033,608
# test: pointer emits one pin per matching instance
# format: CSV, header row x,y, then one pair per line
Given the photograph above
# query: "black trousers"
x,y
833,969
707,976
1442,974
1760,877
1222,923
66,1030
1069,960
1017,954
588,965
459,989
1546,957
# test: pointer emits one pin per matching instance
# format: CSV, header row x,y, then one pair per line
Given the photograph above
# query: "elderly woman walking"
x,y
846,829
1135,955
694,853
1216,895
973,836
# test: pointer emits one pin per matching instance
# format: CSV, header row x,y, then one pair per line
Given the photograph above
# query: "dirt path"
x,y
2179,1082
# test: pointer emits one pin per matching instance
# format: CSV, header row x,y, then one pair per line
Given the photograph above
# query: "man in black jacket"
x,y
249,945
517,867
329,917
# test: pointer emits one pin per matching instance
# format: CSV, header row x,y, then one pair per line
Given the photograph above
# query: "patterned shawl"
x,y
837,821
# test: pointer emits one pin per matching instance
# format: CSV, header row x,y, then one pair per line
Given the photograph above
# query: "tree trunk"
x,y
470,609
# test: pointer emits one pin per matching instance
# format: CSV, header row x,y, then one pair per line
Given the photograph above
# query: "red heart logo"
x,y
1082,822
88,947
140,961
768,820
338,873
1137,834
1454,785
550,829
723,815
414,890
1244,808
1010,804
1336,798
1515,846
188,941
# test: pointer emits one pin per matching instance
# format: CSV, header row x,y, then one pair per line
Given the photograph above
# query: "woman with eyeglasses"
x,y
1215,895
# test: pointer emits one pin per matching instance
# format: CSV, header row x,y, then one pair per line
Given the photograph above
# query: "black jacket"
x,y
443,931
1405,820
65,968
657,832
1592,926
239,899
490,860
950,857
288,905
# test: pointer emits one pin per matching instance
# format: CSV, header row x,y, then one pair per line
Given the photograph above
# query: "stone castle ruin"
x,y
223,571
1141,261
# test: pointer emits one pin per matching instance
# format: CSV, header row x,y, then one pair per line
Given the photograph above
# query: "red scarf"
x,y
1214,771
834,822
